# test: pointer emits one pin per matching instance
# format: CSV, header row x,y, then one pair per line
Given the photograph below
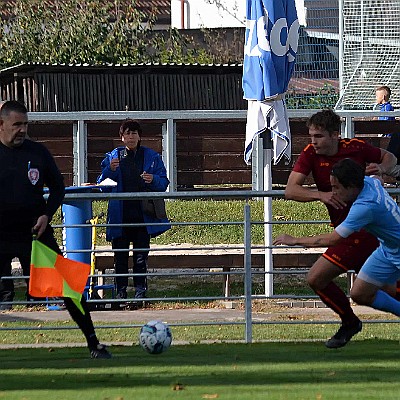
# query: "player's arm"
x,y
387,163
324,240
295,190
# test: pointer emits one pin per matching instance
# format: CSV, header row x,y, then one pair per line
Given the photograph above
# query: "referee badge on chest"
x,y
33,175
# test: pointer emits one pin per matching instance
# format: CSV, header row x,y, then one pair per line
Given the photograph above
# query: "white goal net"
x,y
370,56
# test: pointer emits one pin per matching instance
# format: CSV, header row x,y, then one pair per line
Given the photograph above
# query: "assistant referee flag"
x,y
52,275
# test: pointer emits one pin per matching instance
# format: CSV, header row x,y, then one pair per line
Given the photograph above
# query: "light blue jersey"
x,y
377,212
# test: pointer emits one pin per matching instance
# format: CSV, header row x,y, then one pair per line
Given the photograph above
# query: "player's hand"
x,y
284,239
114,164
148,178
41,225
329,198
373,169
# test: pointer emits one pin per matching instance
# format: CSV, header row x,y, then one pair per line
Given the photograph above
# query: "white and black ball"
x,y
155,337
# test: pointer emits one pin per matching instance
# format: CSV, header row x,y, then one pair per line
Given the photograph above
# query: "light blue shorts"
x,y
382,267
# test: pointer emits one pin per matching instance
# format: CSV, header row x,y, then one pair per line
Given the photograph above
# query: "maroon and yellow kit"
x,y
352,252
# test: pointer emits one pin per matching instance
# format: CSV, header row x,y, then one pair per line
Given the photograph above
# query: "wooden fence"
x,y
208,153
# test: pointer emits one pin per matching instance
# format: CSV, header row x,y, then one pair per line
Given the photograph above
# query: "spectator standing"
x,y
135,168
383,94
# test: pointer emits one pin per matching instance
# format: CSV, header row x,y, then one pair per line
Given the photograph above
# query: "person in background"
x,y
25,168
371,209
318,158
383,94
135,168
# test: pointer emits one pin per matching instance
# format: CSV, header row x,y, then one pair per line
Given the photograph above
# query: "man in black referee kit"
x,y
25,168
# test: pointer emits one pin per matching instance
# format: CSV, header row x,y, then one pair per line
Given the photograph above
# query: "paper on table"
x,y
107,182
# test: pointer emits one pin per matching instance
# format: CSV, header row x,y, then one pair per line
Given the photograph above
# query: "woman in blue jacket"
x,y
135,168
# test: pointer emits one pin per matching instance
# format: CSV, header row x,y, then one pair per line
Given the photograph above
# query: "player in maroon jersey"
x,y
318,158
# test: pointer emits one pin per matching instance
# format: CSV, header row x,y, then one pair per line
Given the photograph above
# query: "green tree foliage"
x,y
324,97
93,32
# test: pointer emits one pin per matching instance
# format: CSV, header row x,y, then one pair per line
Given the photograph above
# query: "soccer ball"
x,y
155,337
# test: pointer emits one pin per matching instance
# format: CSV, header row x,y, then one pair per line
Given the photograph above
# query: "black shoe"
x,y
122,294
343,335
140,293
135,305
140,302
100,352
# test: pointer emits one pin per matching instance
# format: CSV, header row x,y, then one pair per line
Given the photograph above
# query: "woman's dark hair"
x,y
349,173
130,125
326,119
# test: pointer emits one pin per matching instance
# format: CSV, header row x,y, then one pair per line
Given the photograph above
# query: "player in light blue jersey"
x,y
374,210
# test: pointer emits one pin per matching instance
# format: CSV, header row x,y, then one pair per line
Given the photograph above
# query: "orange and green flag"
x,y
52,275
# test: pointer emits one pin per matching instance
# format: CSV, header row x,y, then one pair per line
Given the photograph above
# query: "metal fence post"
x,y
247,273
80,152
169,153
348,127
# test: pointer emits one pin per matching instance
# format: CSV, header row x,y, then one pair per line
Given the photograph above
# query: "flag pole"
x,y
267,163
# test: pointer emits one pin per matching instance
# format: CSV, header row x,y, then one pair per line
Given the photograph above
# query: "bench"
x,y
211,259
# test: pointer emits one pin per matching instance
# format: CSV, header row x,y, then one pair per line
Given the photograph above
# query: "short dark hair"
x,y
385,89
325,119
9,106
349,173
130,125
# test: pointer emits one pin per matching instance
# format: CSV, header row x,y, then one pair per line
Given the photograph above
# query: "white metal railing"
x,y
247,247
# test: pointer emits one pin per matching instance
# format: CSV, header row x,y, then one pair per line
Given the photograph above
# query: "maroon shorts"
x,y
352,252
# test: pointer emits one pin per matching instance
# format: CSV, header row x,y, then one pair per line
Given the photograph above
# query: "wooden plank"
x,y
113,101
227,260
182,94
60,147
98,95
214,177
376,127
64,163
67,89
50,131
210,145
121,89
46,97
208,153
212,161
68,179
72,93
84,88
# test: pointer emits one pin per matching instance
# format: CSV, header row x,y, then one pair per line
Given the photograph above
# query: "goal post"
x,y
369,51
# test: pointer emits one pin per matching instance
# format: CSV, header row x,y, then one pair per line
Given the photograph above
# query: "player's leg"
x,y
84,321
6,285
121,264
320,278
25,261
349,254
367,289
141,240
